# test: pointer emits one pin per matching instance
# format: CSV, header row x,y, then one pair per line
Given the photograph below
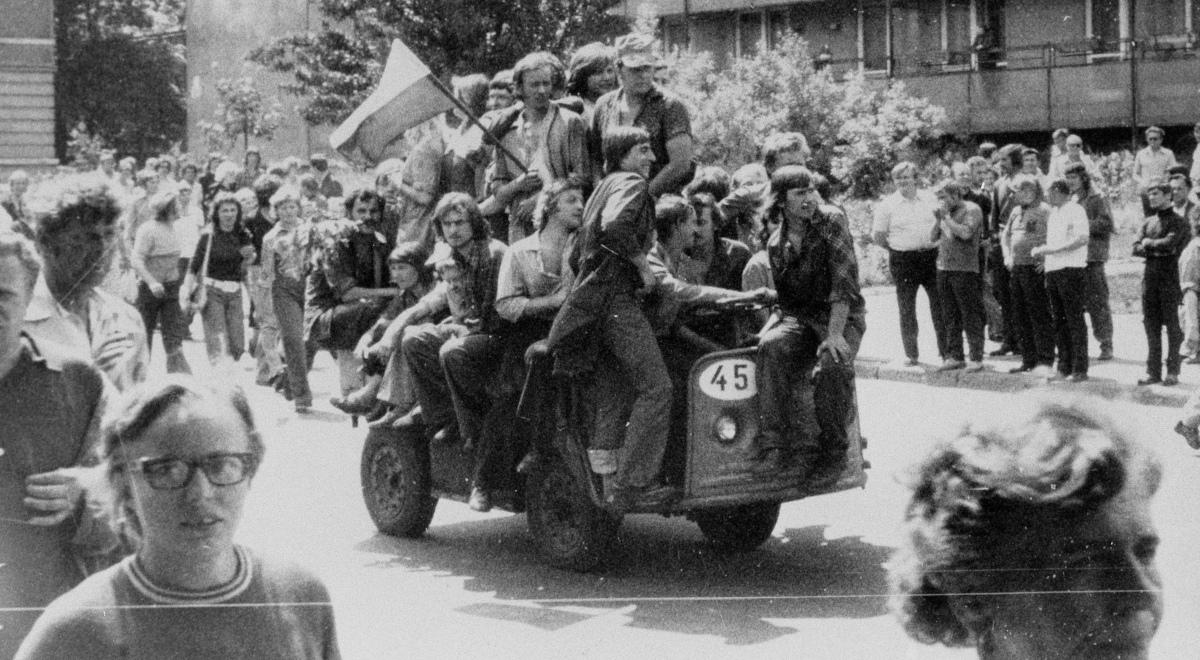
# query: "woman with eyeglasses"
x,y
180,458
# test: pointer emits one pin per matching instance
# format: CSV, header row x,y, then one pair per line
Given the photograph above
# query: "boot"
x,y
360,401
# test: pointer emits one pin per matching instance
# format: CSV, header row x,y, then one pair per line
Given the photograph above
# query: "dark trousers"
x,y
1031,316
1096,304
1066,289
993,314
1160,301
1002,290
912,270
962,309
165,310
789,351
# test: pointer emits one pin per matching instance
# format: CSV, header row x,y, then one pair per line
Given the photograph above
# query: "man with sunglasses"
x,y
49,417
1150,166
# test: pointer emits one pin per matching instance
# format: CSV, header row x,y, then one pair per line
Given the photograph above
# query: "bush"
x,y
858,130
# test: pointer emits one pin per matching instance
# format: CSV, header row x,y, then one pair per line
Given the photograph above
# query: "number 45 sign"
x,y
729,380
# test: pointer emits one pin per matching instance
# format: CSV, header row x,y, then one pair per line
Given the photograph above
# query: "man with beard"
x,y
69,313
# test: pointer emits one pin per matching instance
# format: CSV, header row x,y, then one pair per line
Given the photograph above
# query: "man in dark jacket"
x,y
1160,240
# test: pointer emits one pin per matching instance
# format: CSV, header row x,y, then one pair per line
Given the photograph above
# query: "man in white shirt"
x,y
904,223
1073,154
1150,165
1065,253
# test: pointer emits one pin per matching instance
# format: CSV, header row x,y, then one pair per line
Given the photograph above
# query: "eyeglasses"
x,y
170,473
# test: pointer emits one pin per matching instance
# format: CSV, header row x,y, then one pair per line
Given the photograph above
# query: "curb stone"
x,y
1154,395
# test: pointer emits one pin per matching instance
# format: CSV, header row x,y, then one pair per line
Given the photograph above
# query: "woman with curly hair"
x,y
213,283
1032,538
591,73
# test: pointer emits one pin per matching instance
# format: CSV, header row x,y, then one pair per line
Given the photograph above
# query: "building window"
x,y
873,34
1105,16
990,15
1162,17
958,31
750,33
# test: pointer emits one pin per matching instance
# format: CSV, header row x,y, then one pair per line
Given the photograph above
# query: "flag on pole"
x,y
406,96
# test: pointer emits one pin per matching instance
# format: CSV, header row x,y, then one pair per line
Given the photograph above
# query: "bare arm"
x,y
680,151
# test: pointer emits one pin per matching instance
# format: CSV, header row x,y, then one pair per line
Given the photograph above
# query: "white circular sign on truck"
x,y
729,380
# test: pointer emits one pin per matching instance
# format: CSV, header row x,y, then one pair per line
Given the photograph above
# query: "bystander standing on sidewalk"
x,y
1160,240
1025,230
1189,287
1100,231
957,234
904,223
1065,254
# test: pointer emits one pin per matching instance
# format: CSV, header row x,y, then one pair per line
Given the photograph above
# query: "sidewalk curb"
x,y
1154,395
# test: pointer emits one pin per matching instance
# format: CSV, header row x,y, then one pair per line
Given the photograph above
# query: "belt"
x,y
224,285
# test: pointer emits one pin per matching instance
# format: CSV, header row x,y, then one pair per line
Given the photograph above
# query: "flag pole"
x,y
475,120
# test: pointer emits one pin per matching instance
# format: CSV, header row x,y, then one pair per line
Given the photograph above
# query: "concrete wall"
x,y
26,85
220,34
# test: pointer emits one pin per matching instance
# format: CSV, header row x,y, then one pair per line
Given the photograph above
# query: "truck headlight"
x,y
726,428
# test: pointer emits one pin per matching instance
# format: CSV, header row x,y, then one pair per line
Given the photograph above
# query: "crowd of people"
x,y
578,226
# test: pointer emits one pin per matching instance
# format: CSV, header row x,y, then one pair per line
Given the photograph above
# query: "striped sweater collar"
x,y
174,596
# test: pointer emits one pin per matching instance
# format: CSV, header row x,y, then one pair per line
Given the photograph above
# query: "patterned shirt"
x,y
823,270
286,252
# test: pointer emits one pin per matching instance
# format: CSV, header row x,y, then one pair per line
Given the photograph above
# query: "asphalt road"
x,y
474,588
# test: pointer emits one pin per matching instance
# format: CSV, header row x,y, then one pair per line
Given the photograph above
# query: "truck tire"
x,y
738,528
395,482
569,530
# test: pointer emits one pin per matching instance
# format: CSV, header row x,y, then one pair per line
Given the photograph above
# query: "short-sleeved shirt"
x,y
523,275
422,170
1064,225
663,115
157,243
957,254
1151,166
1027,230
908,223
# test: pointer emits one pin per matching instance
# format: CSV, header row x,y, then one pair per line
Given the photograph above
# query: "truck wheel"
x,y
570,531
738,528
395,482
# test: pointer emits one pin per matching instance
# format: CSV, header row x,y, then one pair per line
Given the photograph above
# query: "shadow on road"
x,y
664,577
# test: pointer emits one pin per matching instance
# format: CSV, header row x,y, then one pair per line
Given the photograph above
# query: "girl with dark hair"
x,y
591,73
213,283
155,259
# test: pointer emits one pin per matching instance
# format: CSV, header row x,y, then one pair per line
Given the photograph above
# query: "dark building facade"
x,y
997,66
26,85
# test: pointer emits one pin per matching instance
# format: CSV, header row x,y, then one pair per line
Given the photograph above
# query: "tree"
x,y
242,112
115,78
858,129
336,67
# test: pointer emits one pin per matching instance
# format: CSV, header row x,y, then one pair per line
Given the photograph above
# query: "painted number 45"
x,y
729,380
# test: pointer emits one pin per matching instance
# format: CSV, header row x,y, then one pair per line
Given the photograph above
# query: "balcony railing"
x,y
1037,56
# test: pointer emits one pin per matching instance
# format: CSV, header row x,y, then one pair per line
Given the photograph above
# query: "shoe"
x,y
1171,380
1042,371
623,498
1194,360
387,420
1058,376
527,464
1106,354
1189,433
413,418
358,402
1076,378
447,435
829,467
911,362
1020,370
480,500
1150,380
950,364
303,407
381,408
1002,351
974,366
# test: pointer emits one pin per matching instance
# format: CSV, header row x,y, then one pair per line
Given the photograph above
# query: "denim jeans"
x,y
787,352
1066,289
224,332
633,394
165,309
1097,306
287,299
962,309
267,349
912,270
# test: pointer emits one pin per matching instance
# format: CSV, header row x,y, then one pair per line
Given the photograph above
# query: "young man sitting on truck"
x,y
815,333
